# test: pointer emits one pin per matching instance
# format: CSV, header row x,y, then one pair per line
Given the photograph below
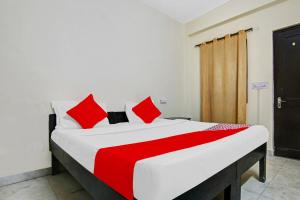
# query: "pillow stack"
x,y
85,114
88,113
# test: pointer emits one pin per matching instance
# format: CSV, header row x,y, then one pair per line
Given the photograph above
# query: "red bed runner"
x,y
115,165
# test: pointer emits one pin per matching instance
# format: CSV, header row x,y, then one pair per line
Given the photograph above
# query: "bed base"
x,y
227,180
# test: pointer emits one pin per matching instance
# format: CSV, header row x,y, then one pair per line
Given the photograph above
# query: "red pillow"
x,y
87,113
146,110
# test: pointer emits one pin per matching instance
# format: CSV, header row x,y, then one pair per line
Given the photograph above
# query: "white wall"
x,y
227,11
265,20
65,49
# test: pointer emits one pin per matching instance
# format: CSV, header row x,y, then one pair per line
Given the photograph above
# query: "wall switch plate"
x,y
260,85
163,101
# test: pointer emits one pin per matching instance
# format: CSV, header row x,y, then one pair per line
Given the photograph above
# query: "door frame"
x,y
279,152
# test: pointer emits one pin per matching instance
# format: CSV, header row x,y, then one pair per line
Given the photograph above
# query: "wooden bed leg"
x,y
56,166
233,192
262,169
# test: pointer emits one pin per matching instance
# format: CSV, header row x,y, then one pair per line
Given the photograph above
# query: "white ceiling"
x,y
184,10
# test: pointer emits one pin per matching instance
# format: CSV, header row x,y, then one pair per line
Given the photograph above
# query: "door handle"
x,y
279,102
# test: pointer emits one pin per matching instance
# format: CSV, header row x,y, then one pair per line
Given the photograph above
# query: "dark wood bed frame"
x,y
227,180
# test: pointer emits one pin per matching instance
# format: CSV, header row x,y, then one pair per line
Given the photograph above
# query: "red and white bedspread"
x,y
168,175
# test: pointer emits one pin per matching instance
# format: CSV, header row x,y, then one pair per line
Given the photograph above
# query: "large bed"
x,y
200,172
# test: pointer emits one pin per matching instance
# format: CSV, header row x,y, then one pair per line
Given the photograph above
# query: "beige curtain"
x,y
223,78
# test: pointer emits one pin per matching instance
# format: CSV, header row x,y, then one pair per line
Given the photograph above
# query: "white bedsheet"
x,y
166,176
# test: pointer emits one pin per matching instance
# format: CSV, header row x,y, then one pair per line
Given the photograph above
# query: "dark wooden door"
x,y
287,92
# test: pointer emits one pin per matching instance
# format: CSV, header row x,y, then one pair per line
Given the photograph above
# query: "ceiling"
x,y
184,10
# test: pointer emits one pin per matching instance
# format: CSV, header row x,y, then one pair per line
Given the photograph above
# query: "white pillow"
x,y
63,120
132,117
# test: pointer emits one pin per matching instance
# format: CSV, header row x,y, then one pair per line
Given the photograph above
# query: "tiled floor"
x,y
283,183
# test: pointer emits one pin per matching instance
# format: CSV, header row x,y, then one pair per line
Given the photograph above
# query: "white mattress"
x,y
166,176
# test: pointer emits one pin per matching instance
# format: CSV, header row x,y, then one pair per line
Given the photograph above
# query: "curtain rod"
x,y
247,30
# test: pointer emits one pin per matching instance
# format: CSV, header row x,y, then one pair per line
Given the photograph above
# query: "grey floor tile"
x,y
271,174
280,192
36,189
264,198
288,177
276,161
246,195
64,182
275,164
67,188
292,164
254,186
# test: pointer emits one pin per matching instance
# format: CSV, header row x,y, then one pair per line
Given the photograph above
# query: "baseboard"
x,y
24,176
270,152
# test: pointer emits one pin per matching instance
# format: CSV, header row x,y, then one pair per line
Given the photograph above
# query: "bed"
x,y
201,172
